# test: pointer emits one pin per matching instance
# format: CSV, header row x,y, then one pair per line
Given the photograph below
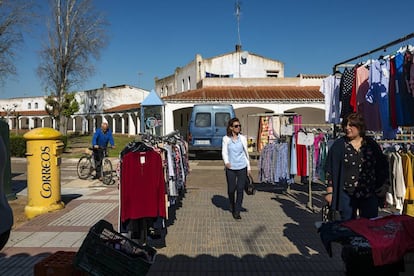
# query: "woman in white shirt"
x,y
237,164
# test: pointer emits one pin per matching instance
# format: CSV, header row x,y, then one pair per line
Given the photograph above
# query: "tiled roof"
x,y
256,94
123,107
314,76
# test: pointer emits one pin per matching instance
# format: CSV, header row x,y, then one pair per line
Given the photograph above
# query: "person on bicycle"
x,y
100,141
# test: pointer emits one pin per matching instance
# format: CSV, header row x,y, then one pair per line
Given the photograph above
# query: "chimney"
x,y
238,48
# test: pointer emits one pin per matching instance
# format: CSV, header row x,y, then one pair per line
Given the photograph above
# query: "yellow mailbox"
x,y
43,152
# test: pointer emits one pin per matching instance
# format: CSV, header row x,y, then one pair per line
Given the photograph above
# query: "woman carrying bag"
x,y
237,165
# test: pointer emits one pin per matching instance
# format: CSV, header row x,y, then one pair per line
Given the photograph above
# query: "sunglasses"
x,y
236,126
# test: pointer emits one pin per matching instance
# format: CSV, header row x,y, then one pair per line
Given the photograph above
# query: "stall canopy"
x,y
152,113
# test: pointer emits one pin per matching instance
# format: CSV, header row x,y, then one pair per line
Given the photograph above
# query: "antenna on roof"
x,y
237,8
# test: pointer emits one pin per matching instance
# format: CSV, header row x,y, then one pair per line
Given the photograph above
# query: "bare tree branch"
x,y
14,17
77,34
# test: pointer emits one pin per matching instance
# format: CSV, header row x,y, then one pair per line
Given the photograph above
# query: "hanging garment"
x,y
411,78
142,186
330,89
409,97
392,96
370,111
271,134
323,153
319,139
293,154
408,176
273,163
345,92
263,135
276,126
353,100
378,92
172,186
301,152
397,181
404,100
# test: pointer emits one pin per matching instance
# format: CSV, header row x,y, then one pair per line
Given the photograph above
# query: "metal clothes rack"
x,y
381,48
395,141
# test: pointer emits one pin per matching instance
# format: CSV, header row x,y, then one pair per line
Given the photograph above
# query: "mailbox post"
x,y
43,152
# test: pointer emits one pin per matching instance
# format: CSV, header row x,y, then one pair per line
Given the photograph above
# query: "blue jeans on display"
x,y
367,207
236,179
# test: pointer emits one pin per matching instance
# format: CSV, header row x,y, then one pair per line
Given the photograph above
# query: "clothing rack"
x,y
381,48
272,114
289,114
394,141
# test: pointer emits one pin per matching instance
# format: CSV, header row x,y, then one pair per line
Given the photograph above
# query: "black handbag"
x,y
249,187
330,215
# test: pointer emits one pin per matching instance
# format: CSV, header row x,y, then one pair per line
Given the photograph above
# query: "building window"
x,y
29,105
36,106
182,85
272,73
189,83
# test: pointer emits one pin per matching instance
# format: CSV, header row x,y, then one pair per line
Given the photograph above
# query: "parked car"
x,y
207,126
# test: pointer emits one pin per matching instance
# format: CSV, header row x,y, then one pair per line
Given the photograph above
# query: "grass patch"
x,y
77,144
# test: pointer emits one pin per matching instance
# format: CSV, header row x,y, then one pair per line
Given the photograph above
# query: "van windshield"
x,y
203,120
222,118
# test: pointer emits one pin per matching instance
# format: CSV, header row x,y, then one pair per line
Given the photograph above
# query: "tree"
x,y
76,35
68,107
15,16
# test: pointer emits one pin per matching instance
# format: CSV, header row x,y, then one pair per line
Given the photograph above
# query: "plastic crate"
x,y
59,263
107,252
357,256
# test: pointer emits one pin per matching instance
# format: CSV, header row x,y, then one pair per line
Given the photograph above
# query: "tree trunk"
x,y
63,128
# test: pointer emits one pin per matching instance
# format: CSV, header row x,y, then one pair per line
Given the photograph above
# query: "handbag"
x,y
249,187
329,214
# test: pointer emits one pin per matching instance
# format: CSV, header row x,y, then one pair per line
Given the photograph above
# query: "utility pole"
x,y
238,12
139,76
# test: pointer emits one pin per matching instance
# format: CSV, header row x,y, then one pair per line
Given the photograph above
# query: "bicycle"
x,y
86,167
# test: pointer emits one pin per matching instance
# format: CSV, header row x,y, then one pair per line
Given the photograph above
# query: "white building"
x,y
238,65
251,83
94,106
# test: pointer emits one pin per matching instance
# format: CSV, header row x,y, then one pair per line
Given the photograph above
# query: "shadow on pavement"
x,y
228,264
20,264
222,202
18,185
204,264
66,198
302,231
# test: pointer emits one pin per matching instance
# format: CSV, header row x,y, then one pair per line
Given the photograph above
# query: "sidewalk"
x,y
276,235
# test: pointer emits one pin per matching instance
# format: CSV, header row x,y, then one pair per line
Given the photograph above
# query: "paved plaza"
x,y
276,235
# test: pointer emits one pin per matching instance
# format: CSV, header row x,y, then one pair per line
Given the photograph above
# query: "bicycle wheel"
x,y
84,167
107,172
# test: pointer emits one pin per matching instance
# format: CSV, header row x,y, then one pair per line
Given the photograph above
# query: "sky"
x,y
149,39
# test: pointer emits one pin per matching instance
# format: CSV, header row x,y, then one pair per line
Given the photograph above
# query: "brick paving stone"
x,y
276,235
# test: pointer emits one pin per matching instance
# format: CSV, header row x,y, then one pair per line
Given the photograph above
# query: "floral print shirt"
x,y
359,169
